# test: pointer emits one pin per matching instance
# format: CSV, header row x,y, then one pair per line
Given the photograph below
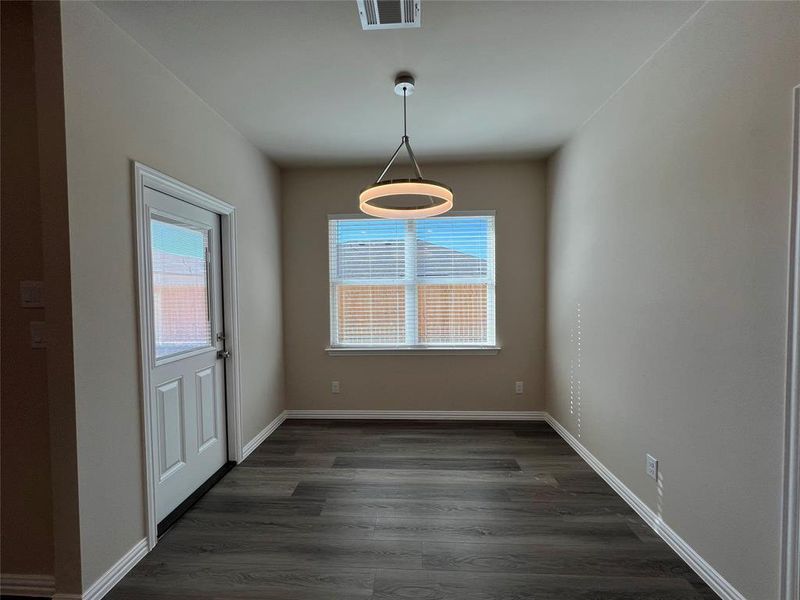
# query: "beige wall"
x,y
516,191
40,534
669,222
57,282
121,105
25,491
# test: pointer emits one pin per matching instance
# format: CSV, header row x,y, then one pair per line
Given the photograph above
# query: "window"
x,y
425,283
180,286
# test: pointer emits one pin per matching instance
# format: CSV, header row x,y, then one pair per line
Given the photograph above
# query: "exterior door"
x,y
187,377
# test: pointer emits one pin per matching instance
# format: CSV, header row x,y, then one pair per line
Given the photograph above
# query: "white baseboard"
x,y
262,435
111,577
454,415
711,576
27,584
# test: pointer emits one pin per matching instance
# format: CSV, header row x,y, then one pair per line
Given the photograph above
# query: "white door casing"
x,y
165,397
790,559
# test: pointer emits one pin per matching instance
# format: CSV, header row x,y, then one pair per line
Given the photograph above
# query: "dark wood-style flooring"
x,y
399,510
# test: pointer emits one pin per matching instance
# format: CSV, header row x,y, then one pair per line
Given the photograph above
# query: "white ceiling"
x,y
304,83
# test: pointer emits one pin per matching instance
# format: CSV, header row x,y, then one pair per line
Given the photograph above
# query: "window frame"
x,y
411,283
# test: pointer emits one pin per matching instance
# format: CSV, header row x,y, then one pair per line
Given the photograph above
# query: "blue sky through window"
x,y
457,233
177,239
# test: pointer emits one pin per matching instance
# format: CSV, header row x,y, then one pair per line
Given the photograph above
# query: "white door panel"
x,y
206,408
187,377
171,443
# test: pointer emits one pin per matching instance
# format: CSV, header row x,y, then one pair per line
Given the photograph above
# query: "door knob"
x,y
223,353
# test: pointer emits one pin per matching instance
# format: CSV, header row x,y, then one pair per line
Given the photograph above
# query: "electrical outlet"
x,y
652,467
518,387
334,387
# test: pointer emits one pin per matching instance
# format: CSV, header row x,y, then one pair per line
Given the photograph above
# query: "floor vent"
x,y
389,14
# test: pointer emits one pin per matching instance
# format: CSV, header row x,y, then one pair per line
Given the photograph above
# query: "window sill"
x,y
409,350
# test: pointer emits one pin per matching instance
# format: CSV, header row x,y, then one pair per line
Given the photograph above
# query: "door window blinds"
x,y
181,311
412,283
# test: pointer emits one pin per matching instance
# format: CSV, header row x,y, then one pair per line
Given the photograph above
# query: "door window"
x,y
181,299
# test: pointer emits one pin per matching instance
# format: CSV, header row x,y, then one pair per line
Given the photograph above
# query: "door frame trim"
x,y
790,571
144,176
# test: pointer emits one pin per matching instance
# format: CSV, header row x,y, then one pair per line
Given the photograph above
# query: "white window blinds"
x,y
412,283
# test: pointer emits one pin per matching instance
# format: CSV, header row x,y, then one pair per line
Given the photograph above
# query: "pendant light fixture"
x,y
415,198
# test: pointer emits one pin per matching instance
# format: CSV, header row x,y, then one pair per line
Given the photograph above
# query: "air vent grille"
x,y
389,14
369,8
390,11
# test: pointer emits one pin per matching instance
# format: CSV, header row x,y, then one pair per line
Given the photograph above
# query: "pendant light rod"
x,y
405,142
413,159
391,160
405,130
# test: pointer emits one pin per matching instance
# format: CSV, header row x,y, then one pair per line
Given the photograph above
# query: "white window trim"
x,y
411,349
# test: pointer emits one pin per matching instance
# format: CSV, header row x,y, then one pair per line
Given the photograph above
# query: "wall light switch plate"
x,y
37,334
334,387
31,294
652,467
519,387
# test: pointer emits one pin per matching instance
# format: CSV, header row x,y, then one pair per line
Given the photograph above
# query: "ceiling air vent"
x,y
389,14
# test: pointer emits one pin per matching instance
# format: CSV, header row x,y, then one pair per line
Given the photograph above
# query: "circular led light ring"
x,y
406,187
